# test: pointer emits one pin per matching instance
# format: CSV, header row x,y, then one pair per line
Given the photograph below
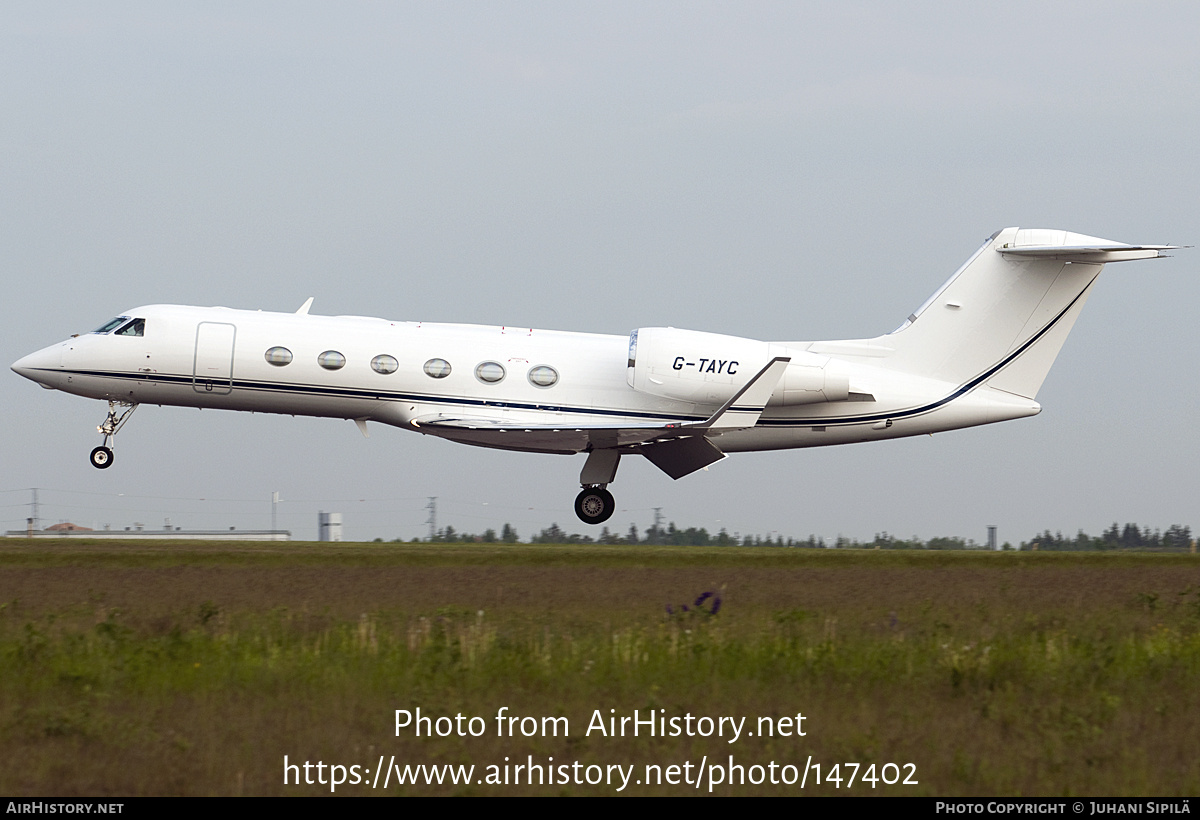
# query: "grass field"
x,y
176,668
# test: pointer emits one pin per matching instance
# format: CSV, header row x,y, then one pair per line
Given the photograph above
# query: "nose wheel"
x,y
594,505
118,413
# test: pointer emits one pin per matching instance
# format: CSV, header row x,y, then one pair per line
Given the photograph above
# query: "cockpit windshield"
x,y
111,324
135,328
128,325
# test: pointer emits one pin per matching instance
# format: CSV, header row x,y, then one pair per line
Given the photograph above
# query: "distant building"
x,y
329,526
140,532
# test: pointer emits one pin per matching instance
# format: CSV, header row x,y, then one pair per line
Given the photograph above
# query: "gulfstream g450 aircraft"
x,y
976,352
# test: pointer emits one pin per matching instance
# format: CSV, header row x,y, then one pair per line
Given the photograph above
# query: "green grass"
x,y
168,669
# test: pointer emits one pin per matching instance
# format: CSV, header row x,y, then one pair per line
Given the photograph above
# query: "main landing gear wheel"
x,y
102,457
594,505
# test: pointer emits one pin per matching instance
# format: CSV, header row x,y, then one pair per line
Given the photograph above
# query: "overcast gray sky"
x,y
773,170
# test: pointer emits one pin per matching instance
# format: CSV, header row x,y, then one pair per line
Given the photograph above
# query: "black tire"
x,y
102,458
594,505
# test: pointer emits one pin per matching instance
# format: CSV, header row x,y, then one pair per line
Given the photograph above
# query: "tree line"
x,y
1176,537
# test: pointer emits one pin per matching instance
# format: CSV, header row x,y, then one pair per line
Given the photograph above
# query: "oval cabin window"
x,y
331,360
279,356
384,363
543,376
437,368
490,372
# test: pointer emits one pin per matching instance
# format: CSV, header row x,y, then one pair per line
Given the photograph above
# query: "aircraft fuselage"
x,y
218,358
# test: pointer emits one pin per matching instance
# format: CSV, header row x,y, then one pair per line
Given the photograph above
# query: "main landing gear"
x,y
594,505
102,456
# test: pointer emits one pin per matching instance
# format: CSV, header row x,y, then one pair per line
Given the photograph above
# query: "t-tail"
x,y
1002,318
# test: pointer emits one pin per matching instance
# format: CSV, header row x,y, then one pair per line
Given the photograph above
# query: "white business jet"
x,y
976,352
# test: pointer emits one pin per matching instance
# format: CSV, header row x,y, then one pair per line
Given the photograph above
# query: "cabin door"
x,y
213,371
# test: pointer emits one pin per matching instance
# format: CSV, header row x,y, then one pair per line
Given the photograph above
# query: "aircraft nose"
x,y
35,365
23,366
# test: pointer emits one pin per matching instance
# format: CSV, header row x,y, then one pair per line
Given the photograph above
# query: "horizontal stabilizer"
x,y
1042,243
1084,253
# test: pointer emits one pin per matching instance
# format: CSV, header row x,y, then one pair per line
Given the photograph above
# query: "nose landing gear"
x,y
102,456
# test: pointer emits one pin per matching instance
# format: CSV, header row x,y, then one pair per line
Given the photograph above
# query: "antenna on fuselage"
x,y
303,311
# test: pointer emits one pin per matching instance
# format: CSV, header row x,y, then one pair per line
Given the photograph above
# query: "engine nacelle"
x,y
710,368
816,379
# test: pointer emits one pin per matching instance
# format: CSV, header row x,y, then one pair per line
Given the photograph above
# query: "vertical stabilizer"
x,y
1004,315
